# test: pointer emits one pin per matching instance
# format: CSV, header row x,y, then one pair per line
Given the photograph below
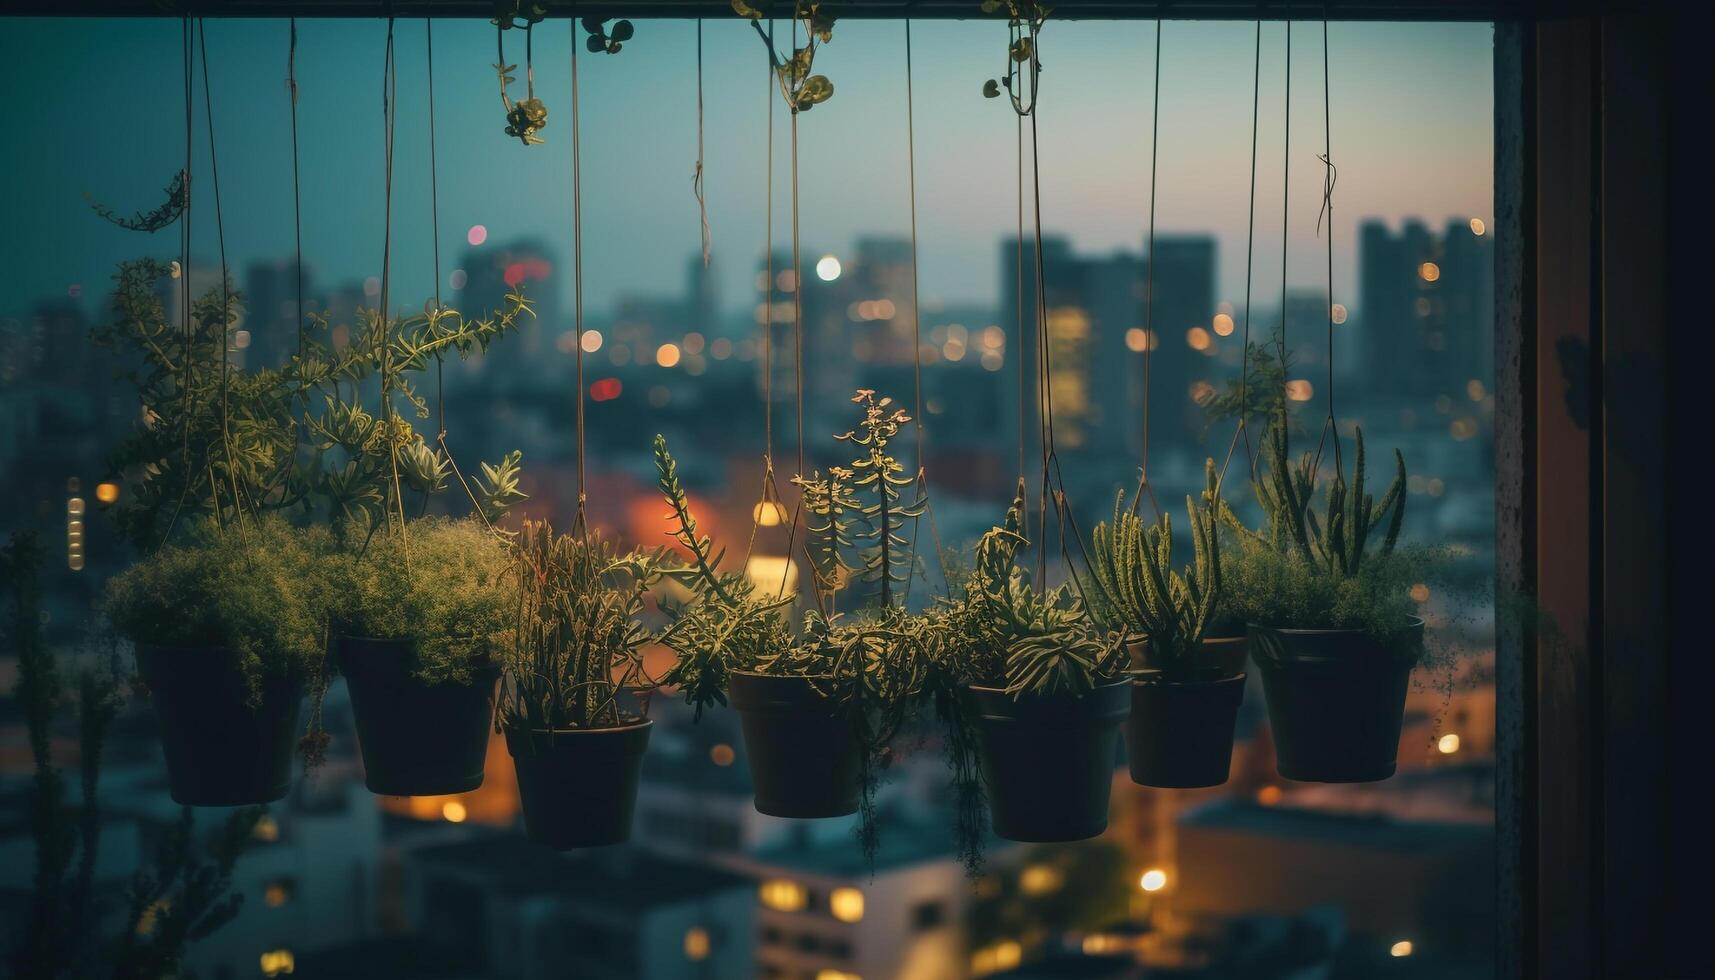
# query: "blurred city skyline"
x,y
1412,137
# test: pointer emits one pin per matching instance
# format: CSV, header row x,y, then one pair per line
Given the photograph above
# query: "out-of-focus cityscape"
x,y
1258,878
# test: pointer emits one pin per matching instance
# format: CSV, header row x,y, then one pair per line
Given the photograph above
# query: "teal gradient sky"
x,y
96,107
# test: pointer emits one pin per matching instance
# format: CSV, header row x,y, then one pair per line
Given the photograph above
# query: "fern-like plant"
x,y
726,624
1137,589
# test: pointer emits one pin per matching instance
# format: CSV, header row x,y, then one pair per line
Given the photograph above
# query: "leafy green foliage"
x,y
578,640
862,509
800,86
252,593
1259,394
450,585
1005,633
169,211
1137,589
603,38
1024,20
207,445
727,624
528,116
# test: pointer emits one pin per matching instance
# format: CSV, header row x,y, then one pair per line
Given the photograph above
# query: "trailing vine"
x,y
528,116
800,86
169,211
1024,23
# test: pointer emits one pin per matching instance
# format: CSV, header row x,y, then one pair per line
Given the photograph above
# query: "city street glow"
x,y
592,341
667,355
721,754
107,493
828,268
1153,880
1039,879
1339,313
1223,324
278,962
1401,948
453,811
1299,390
1448,744
1429,271
1198,339
477,235
1478,228
769,513
846,904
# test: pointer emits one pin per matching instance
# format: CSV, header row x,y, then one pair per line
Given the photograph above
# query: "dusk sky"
x,y
96,107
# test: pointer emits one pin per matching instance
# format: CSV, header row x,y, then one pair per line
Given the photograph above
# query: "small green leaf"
x,y
622,31
991,89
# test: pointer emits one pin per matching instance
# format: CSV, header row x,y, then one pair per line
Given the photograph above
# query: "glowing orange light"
x,y
1429,271
667,355
721,754
107,493
1223,324
1198,339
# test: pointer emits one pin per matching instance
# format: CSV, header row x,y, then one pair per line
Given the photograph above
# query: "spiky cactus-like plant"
x,y
1337,542
1138,590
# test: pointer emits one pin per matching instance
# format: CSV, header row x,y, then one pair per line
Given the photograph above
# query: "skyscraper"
x,y
1426,307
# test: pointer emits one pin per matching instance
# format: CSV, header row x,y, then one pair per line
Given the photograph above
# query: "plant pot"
x,y
220,750
1336,699
417,739
804,758
579,786
1180,733
1048,761
1225,652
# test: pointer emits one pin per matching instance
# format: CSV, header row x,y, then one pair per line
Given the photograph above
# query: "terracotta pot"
x,y
1336,699
1180,733
804,758
1048,761
579,786
220,750
417,739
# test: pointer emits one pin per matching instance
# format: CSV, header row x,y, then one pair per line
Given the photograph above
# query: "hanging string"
x,y
581,521
187,59
227,445
297,200
697,177
435,233
1285,207
797,332
1143,484
769,500
1240,431
1018,305
922,486
384,317
1329,175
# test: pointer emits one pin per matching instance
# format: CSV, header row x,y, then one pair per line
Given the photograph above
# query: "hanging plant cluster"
x,y
283,517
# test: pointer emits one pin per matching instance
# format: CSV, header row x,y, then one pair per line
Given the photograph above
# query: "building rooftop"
x,y
623,877
1367,830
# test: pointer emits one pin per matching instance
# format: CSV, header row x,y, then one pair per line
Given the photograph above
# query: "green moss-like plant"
x,y
449,585
249,591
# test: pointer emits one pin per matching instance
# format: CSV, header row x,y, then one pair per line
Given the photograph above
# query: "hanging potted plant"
x,y
1044,694
424,619
422,606
1184,701
818,708
227,629
577,647
1333,628
228,621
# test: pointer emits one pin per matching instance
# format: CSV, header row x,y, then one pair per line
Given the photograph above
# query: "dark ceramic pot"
x,y
417,739
579,786
220,749
1225,652
1180,733
1048,761
804,758
1336,699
